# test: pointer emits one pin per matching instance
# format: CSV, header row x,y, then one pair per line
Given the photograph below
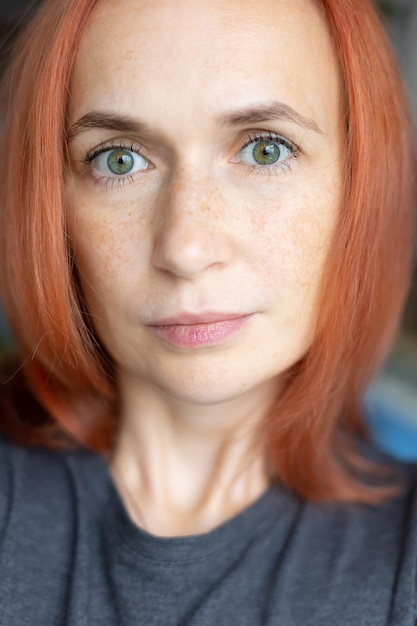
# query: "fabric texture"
x,y
70,555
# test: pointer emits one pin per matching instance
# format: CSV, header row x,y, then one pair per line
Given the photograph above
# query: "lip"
x,y
190,330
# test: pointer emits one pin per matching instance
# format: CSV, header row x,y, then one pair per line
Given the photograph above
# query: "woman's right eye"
x,y
117,162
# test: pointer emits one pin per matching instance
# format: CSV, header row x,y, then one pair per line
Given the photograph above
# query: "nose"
x,y
192,234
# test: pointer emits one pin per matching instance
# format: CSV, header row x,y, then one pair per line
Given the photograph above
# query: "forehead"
x,y
197,54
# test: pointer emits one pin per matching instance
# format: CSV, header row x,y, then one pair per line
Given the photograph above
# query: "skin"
x,y
202,229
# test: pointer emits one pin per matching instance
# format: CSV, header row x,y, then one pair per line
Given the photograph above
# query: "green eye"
x,y
266,152
120,162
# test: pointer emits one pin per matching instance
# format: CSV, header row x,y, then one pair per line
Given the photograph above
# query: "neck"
x,y
184,469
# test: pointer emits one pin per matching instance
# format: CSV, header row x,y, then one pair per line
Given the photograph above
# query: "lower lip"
x,y
198,335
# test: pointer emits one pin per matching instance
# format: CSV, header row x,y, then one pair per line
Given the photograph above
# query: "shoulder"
x,y
39,485
48,521
34,473
349,561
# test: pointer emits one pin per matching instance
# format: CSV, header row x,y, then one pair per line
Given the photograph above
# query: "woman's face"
x,y
206,147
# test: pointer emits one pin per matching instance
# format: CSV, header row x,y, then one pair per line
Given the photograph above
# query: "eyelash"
x,y
120,181
282,166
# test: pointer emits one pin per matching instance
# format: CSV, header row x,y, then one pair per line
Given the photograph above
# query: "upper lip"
x,y
189,319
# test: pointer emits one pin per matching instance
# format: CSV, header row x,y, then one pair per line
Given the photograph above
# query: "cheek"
x,y
107,247
293,238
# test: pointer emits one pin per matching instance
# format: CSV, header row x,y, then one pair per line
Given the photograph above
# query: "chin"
x,y
204,393
209,386
216,377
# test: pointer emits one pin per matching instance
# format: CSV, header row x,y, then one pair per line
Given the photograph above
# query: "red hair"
x,y
317,418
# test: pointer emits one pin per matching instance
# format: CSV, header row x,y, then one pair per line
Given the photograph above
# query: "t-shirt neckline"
x,y
191,547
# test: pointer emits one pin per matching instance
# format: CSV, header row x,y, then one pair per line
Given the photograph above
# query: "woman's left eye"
x,y
118,162
266,151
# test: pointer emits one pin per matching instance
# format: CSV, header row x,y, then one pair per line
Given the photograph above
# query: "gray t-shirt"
x,y
69,555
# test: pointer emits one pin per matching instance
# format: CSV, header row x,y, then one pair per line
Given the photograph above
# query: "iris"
x,y
266,152
120,162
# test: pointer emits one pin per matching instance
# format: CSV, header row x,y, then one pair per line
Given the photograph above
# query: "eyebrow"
x,y
267,112
105,120
250,115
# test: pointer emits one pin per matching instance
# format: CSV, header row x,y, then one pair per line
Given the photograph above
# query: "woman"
x,y
207,214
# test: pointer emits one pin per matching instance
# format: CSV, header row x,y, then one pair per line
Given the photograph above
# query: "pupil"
x,y
120,162
266,152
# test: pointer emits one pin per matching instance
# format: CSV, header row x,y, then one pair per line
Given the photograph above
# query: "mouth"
x,y
199,330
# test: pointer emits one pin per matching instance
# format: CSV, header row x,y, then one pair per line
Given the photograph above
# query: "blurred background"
x,y
391,404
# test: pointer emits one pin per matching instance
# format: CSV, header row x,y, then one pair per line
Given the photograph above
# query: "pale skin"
x,y
199,227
